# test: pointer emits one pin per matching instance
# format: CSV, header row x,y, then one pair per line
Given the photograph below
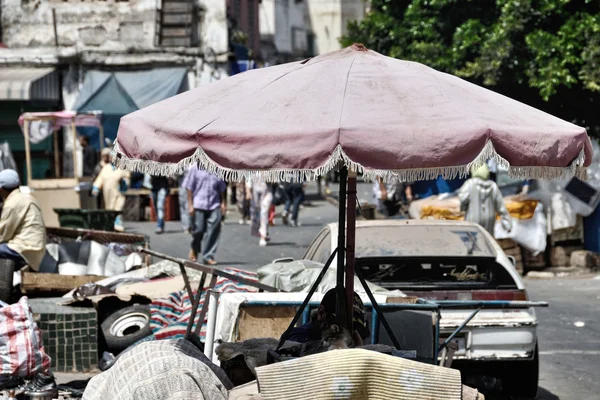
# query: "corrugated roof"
x,y
28,84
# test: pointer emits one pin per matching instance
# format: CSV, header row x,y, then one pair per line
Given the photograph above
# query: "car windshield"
x,y
403,273
444,240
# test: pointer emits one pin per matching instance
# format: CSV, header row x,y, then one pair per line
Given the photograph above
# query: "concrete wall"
x,y
329,19
286,24
213,26
102,25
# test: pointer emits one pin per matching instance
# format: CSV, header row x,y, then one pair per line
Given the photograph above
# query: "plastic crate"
x,y
103,220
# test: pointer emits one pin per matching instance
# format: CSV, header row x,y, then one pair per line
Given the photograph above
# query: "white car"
x,y
451,260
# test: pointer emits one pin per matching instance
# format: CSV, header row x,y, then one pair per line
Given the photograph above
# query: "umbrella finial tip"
x,y
359,47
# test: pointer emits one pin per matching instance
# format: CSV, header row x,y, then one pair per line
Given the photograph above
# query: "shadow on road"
x,y
543,394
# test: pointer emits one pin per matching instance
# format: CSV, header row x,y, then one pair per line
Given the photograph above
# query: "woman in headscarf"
x,y
481,199
113,182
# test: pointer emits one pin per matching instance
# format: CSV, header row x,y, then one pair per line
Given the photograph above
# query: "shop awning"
x,y
29,84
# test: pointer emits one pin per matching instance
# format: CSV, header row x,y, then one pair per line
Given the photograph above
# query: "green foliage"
x,y
542,52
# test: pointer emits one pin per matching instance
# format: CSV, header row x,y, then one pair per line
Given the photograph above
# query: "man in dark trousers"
x,y
90,157
207,206
160,191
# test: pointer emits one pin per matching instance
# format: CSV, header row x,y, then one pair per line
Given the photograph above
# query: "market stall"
x,y
61,191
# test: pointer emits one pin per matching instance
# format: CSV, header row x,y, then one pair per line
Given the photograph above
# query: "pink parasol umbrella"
x,y
375,114
352,109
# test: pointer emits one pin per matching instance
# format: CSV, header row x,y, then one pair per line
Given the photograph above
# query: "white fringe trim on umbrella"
x,y
339,158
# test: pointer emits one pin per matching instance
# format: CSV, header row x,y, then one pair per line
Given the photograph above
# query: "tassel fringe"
x,y
338,159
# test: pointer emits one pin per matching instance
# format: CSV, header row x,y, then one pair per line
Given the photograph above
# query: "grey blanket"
x,y
160,370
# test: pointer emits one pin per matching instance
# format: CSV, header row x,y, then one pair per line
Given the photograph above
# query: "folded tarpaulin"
x,y
169,316
299,276
357,374
173,369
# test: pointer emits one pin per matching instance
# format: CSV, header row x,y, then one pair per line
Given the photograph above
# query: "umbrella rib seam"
x,y
249,96
344,101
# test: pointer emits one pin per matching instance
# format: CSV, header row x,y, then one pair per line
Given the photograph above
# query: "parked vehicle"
x,y
452,260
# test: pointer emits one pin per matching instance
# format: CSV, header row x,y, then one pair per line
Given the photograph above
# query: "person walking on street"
x,y
160,190
388,196
207,206
22,230
183,205
113,182
294,195
482,200
243,196
262,197
90,157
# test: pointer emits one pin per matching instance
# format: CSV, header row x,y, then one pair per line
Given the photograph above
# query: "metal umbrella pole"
x,y
341,295
350,242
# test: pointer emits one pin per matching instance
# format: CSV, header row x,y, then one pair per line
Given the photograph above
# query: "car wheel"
x,y
126,326
521,377
7,269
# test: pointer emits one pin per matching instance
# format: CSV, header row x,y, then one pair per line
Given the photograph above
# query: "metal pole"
x,y
101,133
186,280
380,313
75,166
213,302
54,26
195,301
211,285
340,306
56,156
350,241
27,150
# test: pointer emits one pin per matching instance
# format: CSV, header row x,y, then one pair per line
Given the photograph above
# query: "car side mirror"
x,y
513,261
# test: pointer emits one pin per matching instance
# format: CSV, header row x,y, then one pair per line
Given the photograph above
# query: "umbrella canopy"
x,y
377,115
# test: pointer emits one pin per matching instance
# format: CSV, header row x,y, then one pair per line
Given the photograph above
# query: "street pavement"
x,y
237,248
569,352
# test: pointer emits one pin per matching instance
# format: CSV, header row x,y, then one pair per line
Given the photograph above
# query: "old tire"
x,y
7,268
521,377
126,326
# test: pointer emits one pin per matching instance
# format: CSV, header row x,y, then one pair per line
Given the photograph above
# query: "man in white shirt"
x,y
22,230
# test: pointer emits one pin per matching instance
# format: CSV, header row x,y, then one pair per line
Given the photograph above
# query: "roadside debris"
x,y
540,275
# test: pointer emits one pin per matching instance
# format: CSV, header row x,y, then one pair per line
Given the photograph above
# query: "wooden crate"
x,y
260,322
534,262
55,284
573,234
